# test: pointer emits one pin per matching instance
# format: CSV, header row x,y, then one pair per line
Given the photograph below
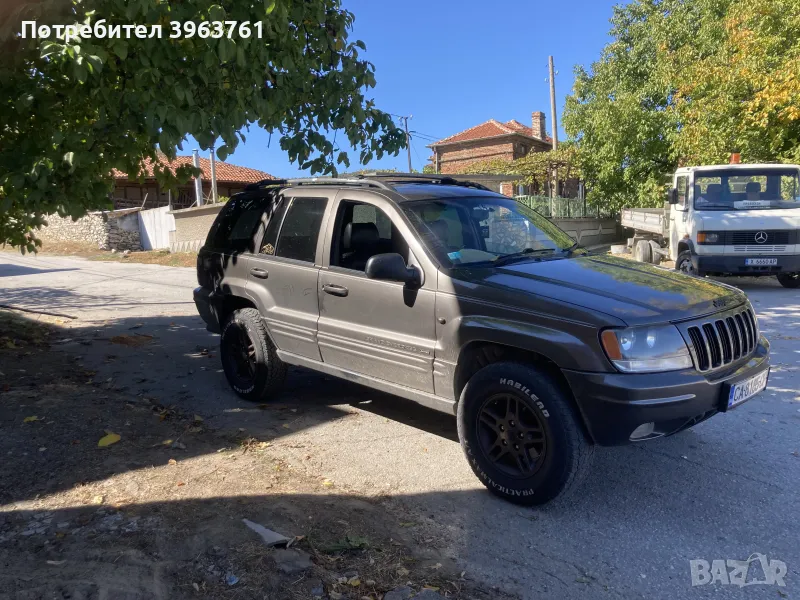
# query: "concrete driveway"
x,y
727,489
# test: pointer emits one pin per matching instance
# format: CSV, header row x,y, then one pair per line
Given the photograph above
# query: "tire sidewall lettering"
x,y
520,387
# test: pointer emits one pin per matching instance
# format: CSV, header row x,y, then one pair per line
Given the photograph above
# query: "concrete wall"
x,y
589,231
191,227
107,230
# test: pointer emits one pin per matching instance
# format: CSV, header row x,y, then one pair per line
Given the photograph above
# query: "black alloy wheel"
x,y
240,353
511,436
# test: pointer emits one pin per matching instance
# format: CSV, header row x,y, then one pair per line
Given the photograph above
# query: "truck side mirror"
x,y
673,196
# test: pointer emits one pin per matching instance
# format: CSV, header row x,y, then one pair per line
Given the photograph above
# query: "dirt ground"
x,y
89,251
158,512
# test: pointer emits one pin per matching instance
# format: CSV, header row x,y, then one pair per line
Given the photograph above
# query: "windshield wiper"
x,y
528,252
572,248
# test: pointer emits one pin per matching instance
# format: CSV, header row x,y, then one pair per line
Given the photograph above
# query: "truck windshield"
x,y
746,189
489,230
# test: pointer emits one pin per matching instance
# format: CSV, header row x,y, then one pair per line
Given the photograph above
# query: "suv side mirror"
x,y
673,196
392,267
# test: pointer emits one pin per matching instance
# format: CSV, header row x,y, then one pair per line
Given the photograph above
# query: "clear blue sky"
x,y
453,64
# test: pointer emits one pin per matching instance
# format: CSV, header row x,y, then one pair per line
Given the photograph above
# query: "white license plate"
x,y
760,262
748,388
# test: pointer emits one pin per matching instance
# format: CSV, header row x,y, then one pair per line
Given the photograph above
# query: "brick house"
x,y
489,141
130,193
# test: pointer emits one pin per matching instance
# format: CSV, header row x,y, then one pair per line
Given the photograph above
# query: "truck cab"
x,y
737,219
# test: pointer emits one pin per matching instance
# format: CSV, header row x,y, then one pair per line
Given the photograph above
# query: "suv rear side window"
x,y
237,223
300,230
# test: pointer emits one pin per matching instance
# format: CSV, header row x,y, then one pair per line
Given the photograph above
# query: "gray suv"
x,y
463,300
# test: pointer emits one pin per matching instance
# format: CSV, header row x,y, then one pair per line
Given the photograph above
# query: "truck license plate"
x,y
744,390
760,262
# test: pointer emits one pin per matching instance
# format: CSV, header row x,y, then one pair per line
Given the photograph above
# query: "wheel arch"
x,y
478,354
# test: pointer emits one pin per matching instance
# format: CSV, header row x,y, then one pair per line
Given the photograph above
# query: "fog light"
x,y
642,431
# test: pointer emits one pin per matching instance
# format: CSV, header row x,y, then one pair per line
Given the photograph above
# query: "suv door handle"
x,y
335,290
260,273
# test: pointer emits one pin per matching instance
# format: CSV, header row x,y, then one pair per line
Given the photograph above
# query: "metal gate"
x,y
154,227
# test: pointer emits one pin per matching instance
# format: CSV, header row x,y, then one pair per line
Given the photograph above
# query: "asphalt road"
x,y
727,489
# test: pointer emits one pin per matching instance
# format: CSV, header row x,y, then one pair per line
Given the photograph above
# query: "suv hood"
x,y
636,293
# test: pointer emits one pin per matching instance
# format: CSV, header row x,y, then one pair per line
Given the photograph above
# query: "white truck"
x,y
725,220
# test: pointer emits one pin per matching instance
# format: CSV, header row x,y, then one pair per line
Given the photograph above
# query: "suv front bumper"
x,y
613,405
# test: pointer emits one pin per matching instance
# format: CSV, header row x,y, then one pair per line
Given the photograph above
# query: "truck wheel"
x,y
655,257
789,280
249,358
684,263
521,435
643,251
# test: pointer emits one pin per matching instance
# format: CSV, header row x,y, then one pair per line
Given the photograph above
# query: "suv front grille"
x,y
719,341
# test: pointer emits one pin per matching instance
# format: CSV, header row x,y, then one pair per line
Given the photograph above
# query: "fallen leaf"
x,y
354,582
402,571
56,563
432,588
172,461
327,483
285,426
180,483
137,326
108,439
437,566
198,419
196,587
133,341
31,419
98,499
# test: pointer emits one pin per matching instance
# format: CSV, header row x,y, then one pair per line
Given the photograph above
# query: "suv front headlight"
x,y
646,349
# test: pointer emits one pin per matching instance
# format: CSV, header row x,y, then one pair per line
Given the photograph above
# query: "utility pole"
x,y
554,189
408,139
553,104
198,181
214,197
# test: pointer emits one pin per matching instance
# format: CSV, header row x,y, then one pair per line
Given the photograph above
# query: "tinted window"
x,y
363,231
237,223
274,220
300,230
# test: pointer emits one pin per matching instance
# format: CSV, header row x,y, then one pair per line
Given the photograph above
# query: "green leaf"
x,y
222,152
270,6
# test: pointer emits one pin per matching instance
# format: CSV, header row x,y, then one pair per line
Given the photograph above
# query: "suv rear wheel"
x,y
520,434
249,359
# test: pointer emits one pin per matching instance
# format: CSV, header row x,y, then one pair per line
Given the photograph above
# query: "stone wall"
x,y
106,230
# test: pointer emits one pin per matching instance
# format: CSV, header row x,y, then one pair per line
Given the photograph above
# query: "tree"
x,y
686,82
73,110
536,169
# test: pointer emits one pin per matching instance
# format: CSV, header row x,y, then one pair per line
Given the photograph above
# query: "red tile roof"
x,y
490,129
226,172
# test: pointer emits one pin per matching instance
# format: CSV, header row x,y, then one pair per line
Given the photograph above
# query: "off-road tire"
x,y
269,371
789,280
567,455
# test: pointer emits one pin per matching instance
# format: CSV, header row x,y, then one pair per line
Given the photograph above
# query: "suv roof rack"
x,y
377,180
423,178
301,181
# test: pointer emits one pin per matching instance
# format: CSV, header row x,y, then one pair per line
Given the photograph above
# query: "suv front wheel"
x,y
520,434
249,358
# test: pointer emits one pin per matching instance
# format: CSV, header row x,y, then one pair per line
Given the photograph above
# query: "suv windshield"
x,y
491,230
746,189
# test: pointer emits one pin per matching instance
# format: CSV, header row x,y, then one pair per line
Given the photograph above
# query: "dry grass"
x,y
86,250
